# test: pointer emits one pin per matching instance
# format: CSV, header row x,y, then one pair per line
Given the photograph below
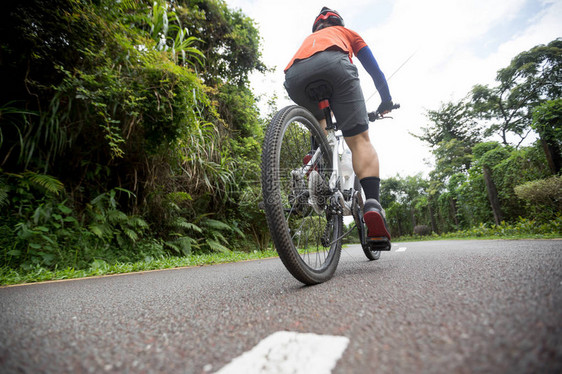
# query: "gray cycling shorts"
x,y
347,102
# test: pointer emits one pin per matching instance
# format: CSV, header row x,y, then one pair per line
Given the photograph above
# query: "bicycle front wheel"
x,y
302,218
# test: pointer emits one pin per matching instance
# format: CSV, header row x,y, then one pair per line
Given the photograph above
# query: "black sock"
x,y
371,186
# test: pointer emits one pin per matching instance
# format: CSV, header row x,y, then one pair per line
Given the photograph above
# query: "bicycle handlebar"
x,y
373,116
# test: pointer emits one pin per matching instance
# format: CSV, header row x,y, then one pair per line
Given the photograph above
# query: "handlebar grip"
x,y
373,116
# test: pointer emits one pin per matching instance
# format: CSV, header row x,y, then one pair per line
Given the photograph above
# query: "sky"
x,y
432,52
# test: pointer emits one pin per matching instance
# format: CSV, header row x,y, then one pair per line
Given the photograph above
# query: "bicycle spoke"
x,y
306,230
301,225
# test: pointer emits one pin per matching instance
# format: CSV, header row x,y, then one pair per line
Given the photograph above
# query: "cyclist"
x,y
327,54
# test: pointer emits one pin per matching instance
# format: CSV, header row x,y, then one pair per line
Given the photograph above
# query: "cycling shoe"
x,y
375,220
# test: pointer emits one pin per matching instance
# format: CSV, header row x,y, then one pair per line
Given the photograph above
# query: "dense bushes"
x,y
543,196
121,130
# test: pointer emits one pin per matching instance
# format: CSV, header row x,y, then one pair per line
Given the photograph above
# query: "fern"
x,y
116,216
238,231
220,237
131,234
48,182
216,246
99,229
128,5
181,222
182,245
218,225
138,222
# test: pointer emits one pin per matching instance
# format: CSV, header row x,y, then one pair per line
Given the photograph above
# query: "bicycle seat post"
x,y
321,91
325,106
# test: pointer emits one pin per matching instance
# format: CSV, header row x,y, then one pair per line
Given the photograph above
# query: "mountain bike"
x,y
308,188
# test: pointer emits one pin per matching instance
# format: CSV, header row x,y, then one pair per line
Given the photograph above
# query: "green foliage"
x,y
186,232
13,134
111,225
162,32
406,203
543,196
39,226
143,139
453,201
453,121
473,174
231,43
547,120
201,236
100,267
452,156
522,227
140,127
532,77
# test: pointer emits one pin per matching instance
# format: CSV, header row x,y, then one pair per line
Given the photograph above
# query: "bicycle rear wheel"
x,y
301,215
371,252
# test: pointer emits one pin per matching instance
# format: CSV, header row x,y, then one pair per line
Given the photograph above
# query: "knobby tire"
x,y
298,231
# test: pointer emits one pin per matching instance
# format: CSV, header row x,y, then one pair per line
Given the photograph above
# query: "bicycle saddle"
x,y
319,90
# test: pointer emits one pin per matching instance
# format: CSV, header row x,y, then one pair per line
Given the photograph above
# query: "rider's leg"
x,y
323,125
365,163
366,167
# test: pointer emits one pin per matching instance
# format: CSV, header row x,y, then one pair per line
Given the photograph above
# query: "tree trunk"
x,y
453,203
492,194
432,216
553,155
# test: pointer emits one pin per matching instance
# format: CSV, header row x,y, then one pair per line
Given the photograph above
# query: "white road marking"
x,y
401,249
290,352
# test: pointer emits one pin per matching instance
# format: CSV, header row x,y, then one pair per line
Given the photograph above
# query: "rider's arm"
x,y
370,64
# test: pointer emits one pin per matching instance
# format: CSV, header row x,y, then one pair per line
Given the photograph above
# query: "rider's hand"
x,y
385,107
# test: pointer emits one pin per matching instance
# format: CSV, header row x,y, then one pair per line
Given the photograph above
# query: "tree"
x,y
451,121
231,42
531,78
489,155
452,133
406,203
496,171
547,121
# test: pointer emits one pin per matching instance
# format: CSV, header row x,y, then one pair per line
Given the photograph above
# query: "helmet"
x,y
327,14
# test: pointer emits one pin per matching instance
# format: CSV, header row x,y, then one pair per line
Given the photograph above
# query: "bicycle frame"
x,y
336,179
306,199
336,183
348,202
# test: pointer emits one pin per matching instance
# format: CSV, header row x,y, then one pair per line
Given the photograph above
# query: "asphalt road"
x,y
426,307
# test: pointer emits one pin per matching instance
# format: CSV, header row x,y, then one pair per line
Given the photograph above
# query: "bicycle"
x,y
306,192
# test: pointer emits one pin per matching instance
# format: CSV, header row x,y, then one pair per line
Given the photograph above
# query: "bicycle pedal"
x,y
379,243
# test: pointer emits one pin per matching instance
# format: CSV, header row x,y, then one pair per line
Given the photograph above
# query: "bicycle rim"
x,y
371,253
298,203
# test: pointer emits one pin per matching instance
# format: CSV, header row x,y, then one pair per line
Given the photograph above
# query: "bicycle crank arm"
x,y
344,205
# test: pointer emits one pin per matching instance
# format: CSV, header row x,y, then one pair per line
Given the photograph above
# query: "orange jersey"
x,y
329,38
